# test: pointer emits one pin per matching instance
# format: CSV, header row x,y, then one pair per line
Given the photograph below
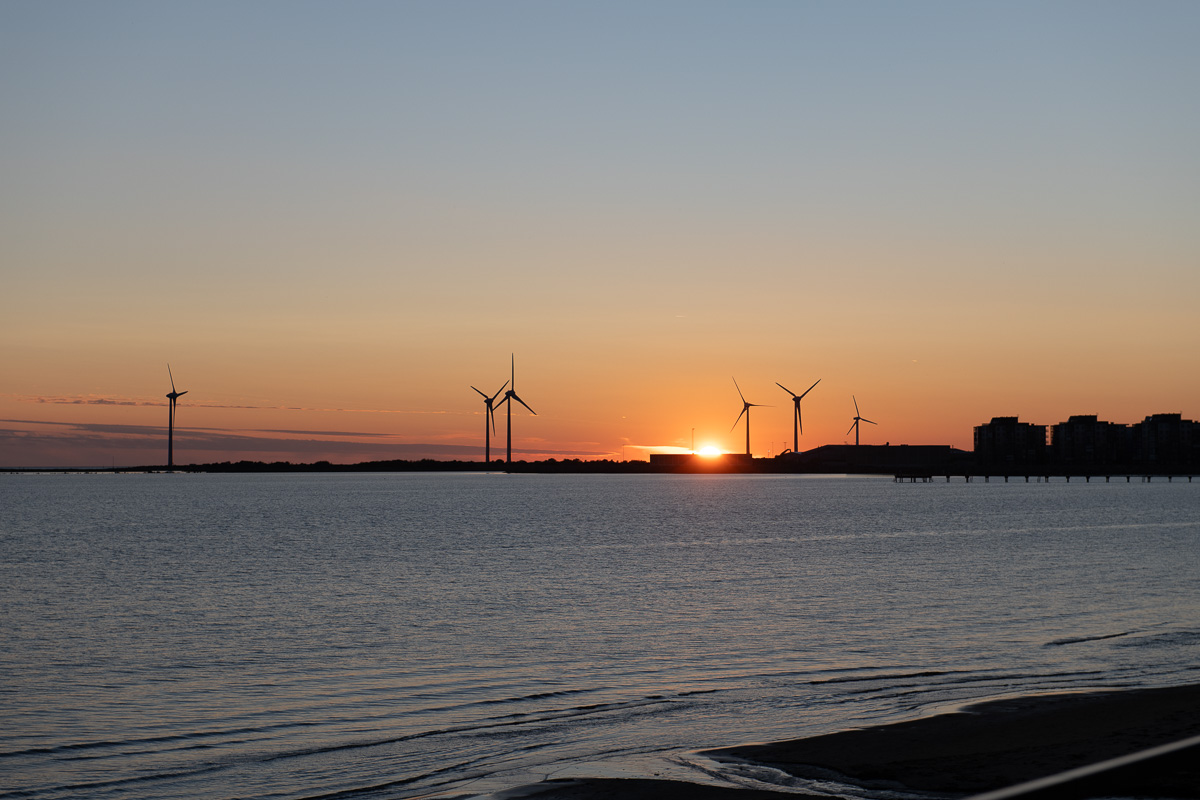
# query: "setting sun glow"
x,y
709,451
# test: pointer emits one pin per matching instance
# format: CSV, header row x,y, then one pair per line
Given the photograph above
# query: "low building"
x,y
920,459
1168,441
1085,440
1006,441
690,462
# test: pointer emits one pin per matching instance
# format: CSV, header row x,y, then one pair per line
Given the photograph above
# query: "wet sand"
x,y
980,748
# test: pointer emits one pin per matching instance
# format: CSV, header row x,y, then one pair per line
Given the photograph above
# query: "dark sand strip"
x,y
637,789
993,745
981,748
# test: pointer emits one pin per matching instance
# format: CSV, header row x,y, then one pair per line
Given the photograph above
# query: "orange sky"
x,y
342,223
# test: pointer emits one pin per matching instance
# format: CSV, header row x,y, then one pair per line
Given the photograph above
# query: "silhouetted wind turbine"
x,y
489,417
173,396
746,411
857,419
509,396
797,423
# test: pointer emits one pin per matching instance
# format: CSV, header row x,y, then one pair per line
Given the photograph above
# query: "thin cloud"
x,y
87,400
116,400
233,445
658,448
155,431
92,427
315,433
102,400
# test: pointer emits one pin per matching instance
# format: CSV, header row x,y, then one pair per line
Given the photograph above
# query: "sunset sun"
x,y
709,450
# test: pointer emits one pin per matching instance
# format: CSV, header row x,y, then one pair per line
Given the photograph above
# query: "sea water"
x,y
401,635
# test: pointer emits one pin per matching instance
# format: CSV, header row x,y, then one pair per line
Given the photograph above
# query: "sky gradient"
x,y
334,219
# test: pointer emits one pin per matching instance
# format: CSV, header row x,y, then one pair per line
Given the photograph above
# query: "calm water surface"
x,y
389,636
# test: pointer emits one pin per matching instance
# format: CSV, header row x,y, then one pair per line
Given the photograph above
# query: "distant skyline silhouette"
x,y
100,445
1121,442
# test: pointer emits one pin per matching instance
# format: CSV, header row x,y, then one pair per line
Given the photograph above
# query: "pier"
x,y
1040,476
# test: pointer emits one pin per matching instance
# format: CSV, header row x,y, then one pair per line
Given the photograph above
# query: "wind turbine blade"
x,y
799,419
481,394
873,423
759,405
809,389
181,394
781,386
735,385
498,391
492,416
522,402
172,377
739,419
856,411
852,427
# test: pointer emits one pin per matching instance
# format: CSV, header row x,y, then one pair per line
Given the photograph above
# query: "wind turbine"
x,y
173,396
746,411
509,396
797,423
489,417
857,419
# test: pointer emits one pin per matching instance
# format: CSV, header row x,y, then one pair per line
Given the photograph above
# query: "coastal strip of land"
x,y
980,748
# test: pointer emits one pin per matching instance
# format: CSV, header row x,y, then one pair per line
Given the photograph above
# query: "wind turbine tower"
x,y
746,406
173,396
857,419
797,423
489,422
509,396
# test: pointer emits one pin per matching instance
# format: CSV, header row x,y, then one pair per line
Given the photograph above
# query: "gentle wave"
x,y
1082,639
1175,639
148,740
886,676
91,786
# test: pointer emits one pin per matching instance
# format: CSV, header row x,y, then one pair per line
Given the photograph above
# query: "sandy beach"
x,y
980,748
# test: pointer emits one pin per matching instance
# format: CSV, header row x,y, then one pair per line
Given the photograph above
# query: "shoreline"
x,y
982,747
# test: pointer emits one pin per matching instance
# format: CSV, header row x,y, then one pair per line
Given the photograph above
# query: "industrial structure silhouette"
x,y
797,423
173,397
509,396
489,421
